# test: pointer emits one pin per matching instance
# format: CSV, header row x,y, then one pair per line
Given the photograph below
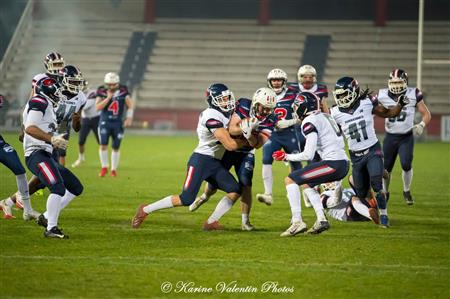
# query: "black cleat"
x,y
319,226
42,221
408,198
55,232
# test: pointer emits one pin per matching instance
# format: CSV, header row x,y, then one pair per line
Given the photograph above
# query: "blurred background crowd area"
x,y
169,51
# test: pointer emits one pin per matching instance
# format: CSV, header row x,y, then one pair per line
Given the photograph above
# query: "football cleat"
x,y
55,232
77,163
30,215
139,217
408,198
212,226
384,221
295,229
42,221
247,226
7,211
265,198
319,226
197,203
103,172
113,173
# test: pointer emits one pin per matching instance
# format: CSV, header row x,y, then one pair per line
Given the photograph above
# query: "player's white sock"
x,y
66,199
407,178
245,218
267,178
222,207
293,195
204,197
22,186
104,158
314,198
164,203
361,208
9,202
383,211
53,207
115,156
386,183
81,156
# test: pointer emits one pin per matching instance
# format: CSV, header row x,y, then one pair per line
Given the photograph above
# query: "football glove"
x,y
418,129
59,141
279,155
247,125
285,123
403,100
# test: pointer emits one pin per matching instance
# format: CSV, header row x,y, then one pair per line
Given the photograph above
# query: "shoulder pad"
x,y
38,103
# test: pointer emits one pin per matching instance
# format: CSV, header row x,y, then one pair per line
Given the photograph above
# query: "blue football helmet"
x,y
220,97
50,89
398,81
346,92
72,79
306,103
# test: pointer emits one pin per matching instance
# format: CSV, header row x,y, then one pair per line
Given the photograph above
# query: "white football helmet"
x,y
277,74
306,70
112,78
53,62
398,81
266,98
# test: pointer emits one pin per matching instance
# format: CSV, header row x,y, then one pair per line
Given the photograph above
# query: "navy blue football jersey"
x,y
115,109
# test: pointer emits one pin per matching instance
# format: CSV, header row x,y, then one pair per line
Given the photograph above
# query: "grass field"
x,y
105,258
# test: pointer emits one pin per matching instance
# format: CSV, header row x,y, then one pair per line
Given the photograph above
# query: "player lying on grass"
x,y
204,163
253,120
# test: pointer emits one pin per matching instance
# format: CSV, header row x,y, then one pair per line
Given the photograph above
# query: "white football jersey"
x,y
66,108
210,120
330,144
404,122
357,124
47,124
89,110
339,212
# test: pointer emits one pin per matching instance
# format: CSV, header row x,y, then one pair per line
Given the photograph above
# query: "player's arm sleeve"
x,y
419,96
310,131
33,119
213,124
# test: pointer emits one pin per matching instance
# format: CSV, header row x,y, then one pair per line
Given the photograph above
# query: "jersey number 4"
x,y
114,107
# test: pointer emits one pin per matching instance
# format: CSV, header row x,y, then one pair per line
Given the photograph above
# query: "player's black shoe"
x,y
408,198
319,226
55,232
42,221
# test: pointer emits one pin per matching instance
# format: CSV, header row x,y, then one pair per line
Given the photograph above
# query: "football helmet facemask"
x,y
398,81
53,62
277,74
219,96
72,79
346,92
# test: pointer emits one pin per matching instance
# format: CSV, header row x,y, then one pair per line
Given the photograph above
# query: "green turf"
x,y
105,258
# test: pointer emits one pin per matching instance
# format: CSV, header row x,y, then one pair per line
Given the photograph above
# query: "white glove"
x,y
246,128
254,123
284,123
418,129
59,141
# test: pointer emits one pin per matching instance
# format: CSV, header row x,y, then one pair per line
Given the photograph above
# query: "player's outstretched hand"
x,y
59,141
279,155
418,128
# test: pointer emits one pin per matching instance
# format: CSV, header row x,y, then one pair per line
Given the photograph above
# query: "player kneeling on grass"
x,y
323,135
346,206
204,164
252,120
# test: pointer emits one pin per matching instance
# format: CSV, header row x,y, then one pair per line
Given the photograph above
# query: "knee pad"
x,y
377,183
76,189
58,189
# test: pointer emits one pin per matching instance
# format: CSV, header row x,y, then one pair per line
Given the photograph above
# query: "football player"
x,y
89,122
40,123
204,163
307,81
399,138
53,63
112,99
68,112
354,114
322,135
258,113
348,207
9,158
285,134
